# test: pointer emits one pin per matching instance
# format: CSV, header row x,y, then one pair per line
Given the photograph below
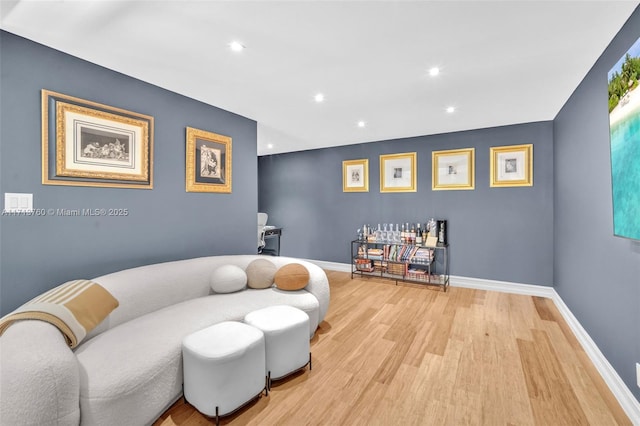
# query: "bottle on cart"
x,y
442,231
418,235
403,235
412,234
433,228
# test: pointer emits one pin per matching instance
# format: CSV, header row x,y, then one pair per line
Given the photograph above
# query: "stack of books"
x,y
407,253
364,265
417,274
423,255
375,254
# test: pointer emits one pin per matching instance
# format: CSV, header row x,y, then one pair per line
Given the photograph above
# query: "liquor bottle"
x,y
418,235
403,235
413,234
408,234
442,232
433,228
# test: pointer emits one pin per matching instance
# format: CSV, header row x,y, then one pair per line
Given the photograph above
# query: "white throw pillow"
x,y
228,278
260,273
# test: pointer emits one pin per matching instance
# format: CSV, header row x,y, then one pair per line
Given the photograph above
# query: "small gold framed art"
x,y
453,169
355,175
398,172
208,167
511,165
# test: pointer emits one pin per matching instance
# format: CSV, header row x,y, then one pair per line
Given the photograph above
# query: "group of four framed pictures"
x,y
85,143
451,170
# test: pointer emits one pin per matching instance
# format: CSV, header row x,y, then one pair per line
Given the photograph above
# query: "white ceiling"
x,y
502,62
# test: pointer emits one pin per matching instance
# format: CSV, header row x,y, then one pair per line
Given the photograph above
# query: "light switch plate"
x,y
15,202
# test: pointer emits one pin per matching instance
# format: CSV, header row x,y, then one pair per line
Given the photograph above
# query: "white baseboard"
x,y
332,266
502,286
627,400
623,394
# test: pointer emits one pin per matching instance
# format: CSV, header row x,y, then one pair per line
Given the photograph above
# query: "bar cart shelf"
x,y
401,262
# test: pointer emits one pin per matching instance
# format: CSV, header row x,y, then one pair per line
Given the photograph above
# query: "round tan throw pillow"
x,y
260,273
228,279
293,276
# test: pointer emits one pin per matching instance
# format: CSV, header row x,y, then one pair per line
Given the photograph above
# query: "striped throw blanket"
x,y
75,307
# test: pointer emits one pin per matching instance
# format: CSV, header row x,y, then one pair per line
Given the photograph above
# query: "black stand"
x,y
269,380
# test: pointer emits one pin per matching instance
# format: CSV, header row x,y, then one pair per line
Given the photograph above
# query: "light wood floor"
x,y
415,355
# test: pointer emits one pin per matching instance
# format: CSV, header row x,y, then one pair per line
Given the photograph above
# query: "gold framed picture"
x,y
86,143
453,169
208,166
355,175
511,165
398,172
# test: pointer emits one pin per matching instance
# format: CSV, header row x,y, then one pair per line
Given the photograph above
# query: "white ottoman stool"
x,y
224,367
286,333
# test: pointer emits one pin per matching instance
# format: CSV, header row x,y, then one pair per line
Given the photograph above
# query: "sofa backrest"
x,y
148,288
151,287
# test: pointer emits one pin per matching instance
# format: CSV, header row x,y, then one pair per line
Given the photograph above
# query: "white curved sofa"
x,y
128,370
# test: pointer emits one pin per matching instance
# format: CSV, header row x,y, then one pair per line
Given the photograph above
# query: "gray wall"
x,y
596,274
501,234
166,223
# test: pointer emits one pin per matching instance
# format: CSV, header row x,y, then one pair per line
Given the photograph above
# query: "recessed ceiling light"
x,y
434,71
451,109
270,145
362,124
236,46
319,97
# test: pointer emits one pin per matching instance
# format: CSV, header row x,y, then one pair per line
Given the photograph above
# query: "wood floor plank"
x,y
439,336
552,396
394,360
390,354
543,308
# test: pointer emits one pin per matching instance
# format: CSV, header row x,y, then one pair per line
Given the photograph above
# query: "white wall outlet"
x,y
18,202
638,373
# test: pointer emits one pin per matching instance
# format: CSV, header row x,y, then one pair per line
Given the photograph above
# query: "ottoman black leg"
x,y
267,385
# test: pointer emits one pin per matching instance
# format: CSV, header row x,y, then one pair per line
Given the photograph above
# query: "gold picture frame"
x,y
355,175
453,169
511,165
208,167
398,172
86,143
